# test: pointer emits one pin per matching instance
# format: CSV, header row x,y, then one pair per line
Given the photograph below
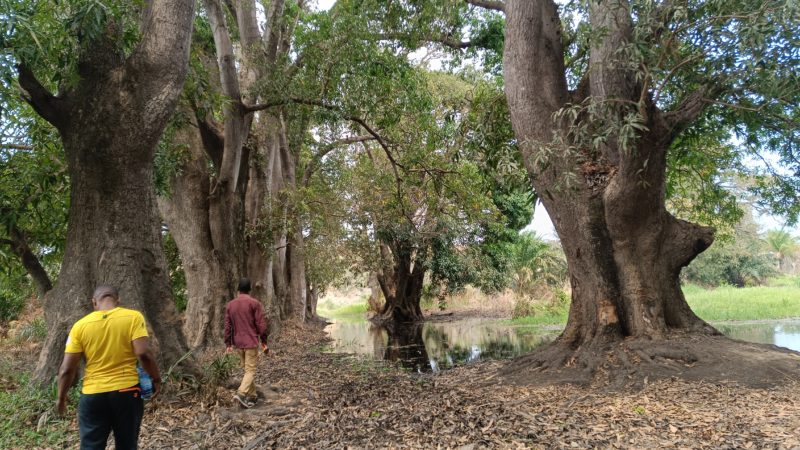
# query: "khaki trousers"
x,y
249,361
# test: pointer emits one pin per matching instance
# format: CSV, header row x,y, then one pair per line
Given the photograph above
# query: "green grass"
x,y
349,313
544,316
749,303
785,281
27,418
780,299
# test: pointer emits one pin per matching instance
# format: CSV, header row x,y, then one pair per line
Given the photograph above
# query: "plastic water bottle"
x,y
145,383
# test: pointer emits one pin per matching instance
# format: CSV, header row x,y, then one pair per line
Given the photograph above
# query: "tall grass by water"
x,y
749,303
348,313
780,299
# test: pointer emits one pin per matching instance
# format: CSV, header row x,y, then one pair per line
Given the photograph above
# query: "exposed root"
x,y
633,363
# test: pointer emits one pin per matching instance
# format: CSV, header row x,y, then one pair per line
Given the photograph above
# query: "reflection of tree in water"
x,y
405,344
378,334
434,346
783,334
447,350
761,333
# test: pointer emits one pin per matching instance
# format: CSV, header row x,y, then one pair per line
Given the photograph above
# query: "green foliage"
x,y
220,370
15,290
540,314
355,311
177,276
783,245
169,155
34,194
539,261
27,418
55,37
743,261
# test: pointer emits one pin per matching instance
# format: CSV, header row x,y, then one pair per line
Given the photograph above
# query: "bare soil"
x,y
321,400
634,362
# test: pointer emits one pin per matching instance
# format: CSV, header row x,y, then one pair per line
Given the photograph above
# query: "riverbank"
x,y
779,299
315,399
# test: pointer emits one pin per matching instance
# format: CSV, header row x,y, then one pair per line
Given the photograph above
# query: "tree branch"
x,y
17,146
688,111
384,145
444,40
356,119
312,165
50,107
19,245
495,5
213,139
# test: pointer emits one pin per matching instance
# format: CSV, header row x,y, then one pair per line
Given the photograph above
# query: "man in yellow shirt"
x,y
111,339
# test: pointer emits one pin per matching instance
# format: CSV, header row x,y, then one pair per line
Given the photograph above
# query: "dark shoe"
x,y
243,401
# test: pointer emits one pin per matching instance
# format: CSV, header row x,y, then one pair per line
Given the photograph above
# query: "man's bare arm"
x,y
66,376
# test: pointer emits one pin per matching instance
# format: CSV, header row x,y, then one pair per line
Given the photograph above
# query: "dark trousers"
x,y
99,414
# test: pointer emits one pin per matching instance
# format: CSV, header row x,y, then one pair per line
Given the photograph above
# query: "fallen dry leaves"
x,y
322,400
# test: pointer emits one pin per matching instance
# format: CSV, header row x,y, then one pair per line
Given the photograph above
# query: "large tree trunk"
x,y
110,124
312,298
210,209
209,282
288,261
624,250
401,282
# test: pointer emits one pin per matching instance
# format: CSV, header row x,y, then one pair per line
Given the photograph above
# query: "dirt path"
x,y
322,400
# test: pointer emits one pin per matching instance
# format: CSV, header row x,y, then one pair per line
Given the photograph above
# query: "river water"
x,y
435,346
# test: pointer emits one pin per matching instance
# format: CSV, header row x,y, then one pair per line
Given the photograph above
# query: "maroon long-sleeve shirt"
x,y
244,322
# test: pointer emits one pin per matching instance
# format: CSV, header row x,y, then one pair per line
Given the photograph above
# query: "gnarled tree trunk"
x,y
625,251
401,281
209,283
110,124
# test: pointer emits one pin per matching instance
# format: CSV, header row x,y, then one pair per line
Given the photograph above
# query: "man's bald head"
x,y
105,293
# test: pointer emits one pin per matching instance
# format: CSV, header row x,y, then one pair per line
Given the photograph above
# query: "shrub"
x,y
34,331
15,290
221,369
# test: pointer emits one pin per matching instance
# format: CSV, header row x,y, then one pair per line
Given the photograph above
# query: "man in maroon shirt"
x,y
245,326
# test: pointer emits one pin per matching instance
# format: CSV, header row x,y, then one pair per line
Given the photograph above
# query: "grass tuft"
x,y
27,414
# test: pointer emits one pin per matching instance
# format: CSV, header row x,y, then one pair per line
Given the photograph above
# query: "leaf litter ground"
x,y
314,399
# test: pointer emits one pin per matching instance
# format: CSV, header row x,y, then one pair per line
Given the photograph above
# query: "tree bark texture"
x,y
401,281
288,261
624,250
209,283
110,124
213,213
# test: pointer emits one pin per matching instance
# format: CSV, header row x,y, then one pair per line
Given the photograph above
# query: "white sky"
x,y
324,5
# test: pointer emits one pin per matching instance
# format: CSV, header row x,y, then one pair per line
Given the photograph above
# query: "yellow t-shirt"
x,y
104,337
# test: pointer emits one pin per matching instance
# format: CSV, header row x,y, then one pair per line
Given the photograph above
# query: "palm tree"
x,y
783,245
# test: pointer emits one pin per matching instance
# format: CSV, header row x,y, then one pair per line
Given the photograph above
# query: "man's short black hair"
x,y
244,285
104,291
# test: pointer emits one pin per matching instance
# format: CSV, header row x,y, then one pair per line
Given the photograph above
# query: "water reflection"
x,y
434,346
783,333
